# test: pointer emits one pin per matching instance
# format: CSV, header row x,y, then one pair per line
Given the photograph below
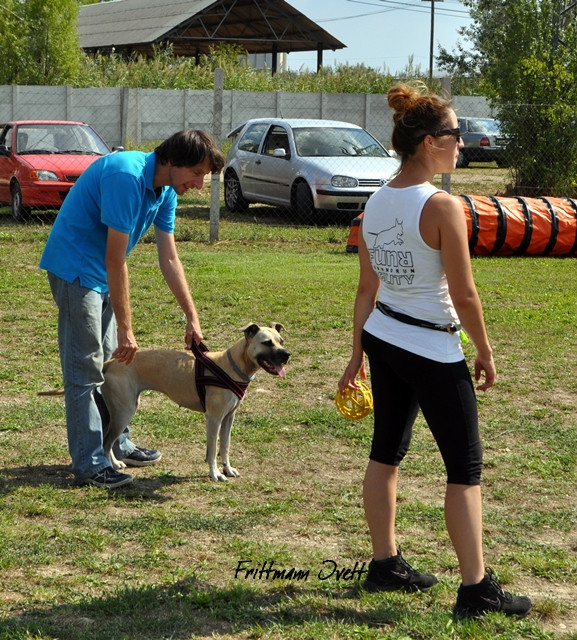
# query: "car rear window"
x,y
483,126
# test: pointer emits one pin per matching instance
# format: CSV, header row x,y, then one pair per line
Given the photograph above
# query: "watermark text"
x,y
269,570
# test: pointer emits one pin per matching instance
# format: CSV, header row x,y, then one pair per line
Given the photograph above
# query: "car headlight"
x,y
344,182
43,174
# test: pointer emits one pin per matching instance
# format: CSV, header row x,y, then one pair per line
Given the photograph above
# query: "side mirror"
x,y
280,153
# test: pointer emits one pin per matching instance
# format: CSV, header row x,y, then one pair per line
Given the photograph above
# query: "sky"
x,y
382,34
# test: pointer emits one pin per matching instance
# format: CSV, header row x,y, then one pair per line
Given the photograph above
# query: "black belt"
x,y
453,327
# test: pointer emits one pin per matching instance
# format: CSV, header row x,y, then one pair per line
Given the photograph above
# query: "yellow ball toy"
x,y
356,403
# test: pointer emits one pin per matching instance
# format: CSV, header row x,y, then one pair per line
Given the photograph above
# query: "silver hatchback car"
x,y
307,165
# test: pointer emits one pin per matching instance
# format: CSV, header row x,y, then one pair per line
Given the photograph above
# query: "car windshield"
x,y
336,141
59,138
484,126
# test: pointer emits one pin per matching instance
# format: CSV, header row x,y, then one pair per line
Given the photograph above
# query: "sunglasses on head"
x,y
456,133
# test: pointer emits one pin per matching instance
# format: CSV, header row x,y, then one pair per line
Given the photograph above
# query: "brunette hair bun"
x,y
402,99
415,113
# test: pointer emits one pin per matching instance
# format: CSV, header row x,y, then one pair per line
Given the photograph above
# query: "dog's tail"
x,y
52,392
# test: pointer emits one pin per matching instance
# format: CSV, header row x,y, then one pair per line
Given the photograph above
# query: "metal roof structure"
x,y
193,26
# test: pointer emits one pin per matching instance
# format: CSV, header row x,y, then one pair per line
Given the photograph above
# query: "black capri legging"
x,y
403,382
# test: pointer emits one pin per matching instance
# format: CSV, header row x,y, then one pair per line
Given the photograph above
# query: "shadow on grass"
x,y
61,477
190,608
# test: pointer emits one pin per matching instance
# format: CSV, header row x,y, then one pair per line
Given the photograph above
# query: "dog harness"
x,y
219,378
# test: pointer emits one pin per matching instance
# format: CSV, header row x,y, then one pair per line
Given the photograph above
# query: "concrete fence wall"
x,y
130,117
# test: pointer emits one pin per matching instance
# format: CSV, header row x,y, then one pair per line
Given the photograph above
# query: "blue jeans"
x,y
86,339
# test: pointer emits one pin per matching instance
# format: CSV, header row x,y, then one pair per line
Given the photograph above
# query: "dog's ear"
x,y
251,330
277,326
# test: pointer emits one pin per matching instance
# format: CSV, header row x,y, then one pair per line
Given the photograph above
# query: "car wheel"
x,y
303,203
19,212
462,161
233,198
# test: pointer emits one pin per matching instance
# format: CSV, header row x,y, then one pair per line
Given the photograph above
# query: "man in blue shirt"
x,y
104,215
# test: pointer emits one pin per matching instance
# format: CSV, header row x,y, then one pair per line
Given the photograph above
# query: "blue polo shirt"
x,y
114,191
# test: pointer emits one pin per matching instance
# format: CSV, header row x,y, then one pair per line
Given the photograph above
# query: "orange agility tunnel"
x,y
516,226
512,226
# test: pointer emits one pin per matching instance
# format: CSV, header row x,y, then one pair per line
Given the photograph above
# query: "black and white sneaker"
x,y
142,457
477,599
109,478
396,574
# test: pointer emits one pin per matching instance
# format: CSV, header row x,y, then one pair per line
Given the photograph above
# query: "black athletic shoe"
x,y
142,457
476,599
396,574
109,478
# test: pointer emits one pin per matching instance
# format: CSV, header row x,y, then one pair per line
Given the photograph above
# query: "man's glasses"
x,y
456,133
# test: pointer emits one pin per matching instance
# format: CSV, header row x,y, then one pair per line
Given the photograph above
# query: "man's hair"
x,y
189,148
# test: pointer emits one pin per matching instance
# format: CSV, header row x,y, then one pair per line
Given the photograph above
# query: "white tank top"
x,y
412,277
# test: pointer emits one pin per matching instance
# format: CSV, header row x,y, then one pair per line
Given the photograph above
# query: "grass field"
x,y
166,557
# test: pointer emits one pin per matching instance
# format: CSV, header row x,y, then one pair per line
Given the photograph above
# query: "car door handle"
x,y
257,161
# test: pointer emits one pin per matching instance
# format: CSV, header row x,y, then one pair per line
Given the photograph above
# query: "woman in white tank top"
x,y
415,290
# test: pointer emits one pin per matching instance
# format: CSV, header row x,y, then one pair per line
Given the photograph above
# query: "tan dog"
x,y
173,373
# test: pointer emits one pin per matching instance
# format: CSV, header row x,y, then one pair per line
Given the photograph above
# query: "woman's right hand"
x,y
355,368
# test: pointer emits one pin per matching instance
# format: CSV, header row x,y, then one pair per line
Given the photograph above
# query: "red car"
x,y
40,160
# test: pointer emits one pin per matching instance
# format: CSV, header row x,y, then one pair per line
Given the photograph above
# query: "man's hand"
x,y
193,334
127,347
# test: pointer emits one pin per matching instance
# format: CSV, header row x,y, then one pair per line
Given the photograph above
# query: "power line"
x,y
415,8
358,15
396,6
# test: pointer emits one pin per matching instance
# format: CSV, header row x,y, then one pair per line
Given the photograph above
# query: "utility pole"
x,y
432,40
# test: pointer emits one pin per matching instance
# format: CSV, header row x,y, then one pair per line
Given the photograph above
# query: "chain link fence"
x,y
279,171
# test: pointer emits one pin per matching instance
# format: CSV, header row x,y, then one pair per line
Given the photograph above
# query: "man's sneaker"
x,y
396,574
109,478
142,457
476,599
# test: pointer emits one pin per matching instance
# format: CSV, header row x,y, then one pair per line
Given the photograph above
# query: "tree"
x,y
525,52
39,42
11,40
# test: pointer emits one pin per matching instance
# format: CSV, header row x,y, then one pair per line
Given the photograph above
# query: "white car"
x,y
307,165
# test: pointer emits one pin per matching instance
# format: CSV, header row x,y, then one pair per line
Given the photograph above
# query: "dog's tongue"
x,y
280,370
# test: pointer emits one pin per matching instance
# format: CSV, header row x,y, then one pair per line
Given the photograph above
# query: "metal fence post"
x,y
68,102
217,135
14,101
124,115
